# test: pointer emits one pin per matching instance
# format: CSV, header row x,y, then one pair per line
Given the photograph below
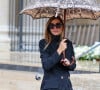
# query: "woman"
x,y
55,64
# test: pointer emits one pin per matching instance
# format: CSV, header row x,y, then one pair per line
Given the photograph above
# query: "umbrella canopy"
x,y
69,9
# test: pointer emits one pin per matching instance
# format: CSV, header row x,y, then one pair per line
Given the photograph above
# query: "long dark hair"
x,y
47,31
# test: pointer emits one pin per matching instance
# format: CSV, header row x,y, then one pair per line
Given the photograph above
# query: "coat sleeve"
x,y
48,62
69,55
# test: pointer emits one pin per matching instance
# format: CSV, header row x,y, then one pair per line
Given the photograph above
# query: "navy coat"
x,y
56,76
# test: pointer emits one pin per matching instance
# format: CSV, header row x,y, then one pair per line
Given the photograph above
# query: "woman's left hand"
x,y
65,62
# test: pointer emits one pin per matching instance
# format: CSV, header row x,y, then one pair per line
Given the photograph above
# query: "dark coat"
x,y
56,76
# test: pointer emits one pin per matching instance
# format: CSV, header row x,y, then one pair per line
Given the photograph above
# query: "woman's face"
x,y
56,27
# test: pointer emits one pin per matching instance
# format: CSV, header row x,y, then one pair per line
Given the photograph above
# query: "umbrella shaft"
x,y
64,21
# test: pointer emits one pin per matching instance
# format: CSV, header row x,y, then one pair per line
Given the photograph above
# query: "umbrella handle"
x,y
63,54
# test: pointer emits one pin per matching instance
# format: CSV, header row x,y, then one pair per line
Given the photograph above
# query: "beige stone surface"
x,y
20,80
86,81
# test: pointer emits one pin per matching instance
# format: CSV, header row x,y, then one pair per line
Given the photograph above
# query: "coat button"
x,y
68,77
62,77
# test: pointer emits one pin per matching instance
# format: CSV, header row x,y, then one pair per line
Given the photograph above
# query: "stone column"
x,y
4,30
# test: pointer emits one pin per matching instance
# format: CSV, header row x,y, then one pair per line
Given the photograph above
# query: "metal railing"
x,y
89,50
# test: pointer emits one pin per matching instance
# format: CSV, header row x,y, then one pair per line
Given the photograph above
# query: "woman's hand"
x,y
65,62
62,46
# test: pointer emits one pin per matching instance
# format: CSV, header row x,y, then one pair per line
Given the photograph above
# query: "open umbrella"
x,y
67,9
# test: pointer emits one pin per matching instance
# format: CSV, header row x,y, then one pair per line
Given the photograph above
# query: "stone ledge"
x,y
21,68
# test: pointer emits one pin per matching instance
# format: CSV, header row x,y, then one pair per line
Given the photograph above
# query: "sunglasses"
x,y
57,25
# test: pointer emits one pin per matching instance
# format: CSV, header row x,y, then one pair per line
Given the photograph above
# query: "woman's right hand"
x,y
62,46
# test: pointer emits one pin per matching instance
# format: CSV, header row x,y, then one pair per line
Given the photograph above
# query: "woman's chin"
x,y
56,34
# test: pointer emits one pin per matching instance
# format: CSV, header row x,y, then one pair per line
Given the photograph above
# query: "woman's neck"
x,y
55,38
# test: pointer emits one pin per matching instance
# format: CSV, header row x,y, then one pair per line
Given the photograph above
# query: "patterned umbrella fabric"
x,y
69,9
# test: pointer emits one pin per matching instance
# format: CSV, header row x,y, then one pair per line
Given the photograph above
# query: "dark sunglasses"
x,y
57,25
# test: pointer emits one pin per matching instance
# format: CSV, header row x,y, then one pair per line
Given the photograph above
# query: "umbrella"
x,y
68,9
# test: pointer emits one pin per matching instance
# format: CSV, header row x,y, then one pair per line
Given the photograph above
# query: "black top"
x,y
52,67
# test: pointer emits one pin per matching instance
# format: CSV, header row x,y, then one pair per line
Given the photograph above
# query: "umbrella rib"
x,y
37,13
80,10
93,14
